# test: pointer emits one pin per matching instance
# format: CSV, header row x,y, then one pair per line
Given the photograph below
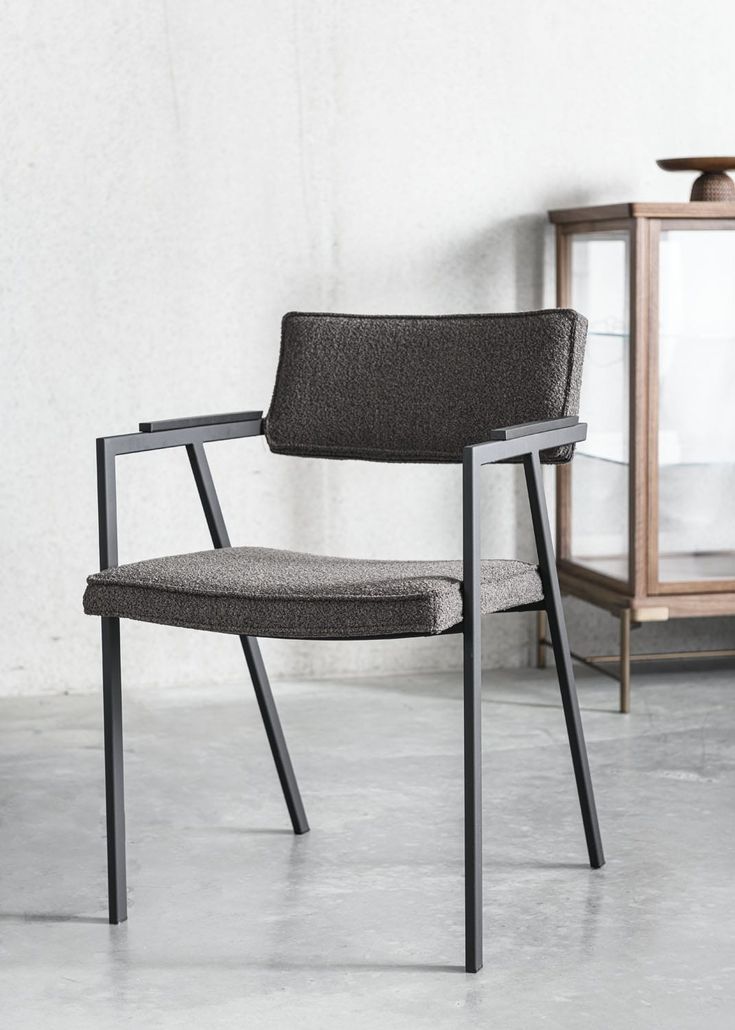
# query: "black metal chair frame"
x,y
514,443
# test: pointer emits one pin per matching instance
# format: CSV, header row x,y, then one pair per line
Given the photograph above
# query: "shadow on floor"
x,y
242,830
435,686
49,917
285,966
545,704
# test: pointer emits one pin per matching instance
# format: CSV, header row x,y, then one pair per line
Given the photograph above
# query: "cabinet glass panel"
x,y
599,472
696,434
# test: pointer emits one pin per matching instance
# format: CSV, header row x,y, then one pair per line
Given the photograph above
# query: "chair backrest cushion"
x,y
418,388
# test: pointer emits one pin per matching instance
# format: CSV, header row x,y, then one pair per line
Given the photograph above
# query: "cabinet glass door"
x,y
599,289
696,416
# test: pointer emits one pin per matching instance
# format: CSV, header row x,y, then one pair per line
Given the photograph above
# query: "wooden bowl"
x,y
713,184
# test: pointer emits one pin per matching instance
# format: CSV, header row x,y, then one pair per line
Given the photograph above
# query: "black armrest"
x,y
530,428
184,432
516,441
191,433
198,420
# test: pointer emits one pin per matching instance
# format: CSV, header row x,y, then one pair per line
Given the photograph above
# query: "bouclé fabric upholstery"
x,y
413,388
377,388
264,592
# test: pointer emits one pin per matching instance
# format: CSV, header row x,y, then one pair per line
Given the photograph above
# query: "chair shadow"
x,y
544,704
49,917
422,685
536,865
243,830
370,967
286,966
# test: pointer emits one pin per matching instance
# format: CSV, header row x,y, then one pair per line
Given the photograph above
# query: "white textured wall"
x,y
177,175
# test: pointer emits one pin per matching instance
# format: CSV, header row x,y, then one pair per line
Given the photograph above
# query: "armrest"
x,y
516,441
191,433
531,428
199,420
525,441
182,432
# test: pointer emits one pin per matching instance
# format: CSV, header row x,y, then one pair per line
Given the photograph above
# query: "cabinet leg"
x,y
625,661
540,635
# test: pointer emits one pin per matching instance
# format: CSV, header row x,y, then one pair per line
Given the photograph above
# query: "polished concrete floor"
x,y
236,923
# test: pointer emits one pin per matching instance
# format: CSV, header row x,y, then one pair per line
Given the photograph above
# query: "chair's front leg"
x,y
114,788
472,716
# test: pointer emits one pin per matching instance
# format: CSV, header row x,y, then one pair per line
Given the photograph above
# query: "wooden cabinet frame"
x,y
642,597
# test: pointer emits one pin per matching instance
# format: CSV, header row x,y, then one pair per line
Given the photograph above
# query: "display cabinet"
x,y
645,524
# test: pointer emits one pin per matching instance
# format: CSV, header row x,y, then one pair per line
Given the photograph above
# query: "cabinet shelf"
x,y
698,464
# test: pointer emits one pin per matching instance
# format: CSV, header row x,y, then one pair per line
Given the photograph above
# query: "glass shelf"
x,y
694,566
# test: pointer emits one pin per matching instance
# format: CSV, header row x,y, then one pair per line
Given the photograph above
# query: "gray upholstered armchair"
x,y
474,389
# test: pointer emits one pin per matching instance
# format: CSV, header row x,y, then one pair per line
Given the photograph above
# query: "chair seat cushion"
x,y
271,593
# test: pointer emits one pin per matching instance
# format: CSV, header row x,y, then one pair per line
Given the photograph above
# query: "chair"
x,y
472,389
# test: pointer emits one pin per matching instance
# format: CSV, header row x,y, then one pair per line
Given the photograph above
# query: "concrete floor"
x,y
236,923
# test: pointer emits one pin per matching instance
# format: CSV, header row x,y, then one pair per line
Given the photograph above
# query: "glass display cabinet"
x,y
646,511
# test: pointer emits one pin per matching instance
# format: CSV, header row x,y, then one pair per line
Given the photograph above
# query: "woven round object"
x,y
713,184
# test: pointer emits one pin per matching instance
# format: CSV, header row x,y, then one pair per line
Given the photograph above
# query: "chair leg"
x,y
114,787
264,696
276,739
540,636
472,802
568,689
562,657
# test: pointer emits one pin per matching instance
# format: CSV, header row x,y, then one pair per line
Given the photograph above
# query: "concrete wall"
x,y
175,175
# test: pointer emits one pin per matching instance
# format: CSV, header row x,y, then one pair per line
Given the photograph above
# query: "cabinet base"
x,y
624,659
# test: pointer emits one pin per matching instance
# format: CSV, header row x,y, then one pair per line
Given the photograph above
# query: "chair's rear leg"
x,y
114,787
268,711
567,687
276,739
562,657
